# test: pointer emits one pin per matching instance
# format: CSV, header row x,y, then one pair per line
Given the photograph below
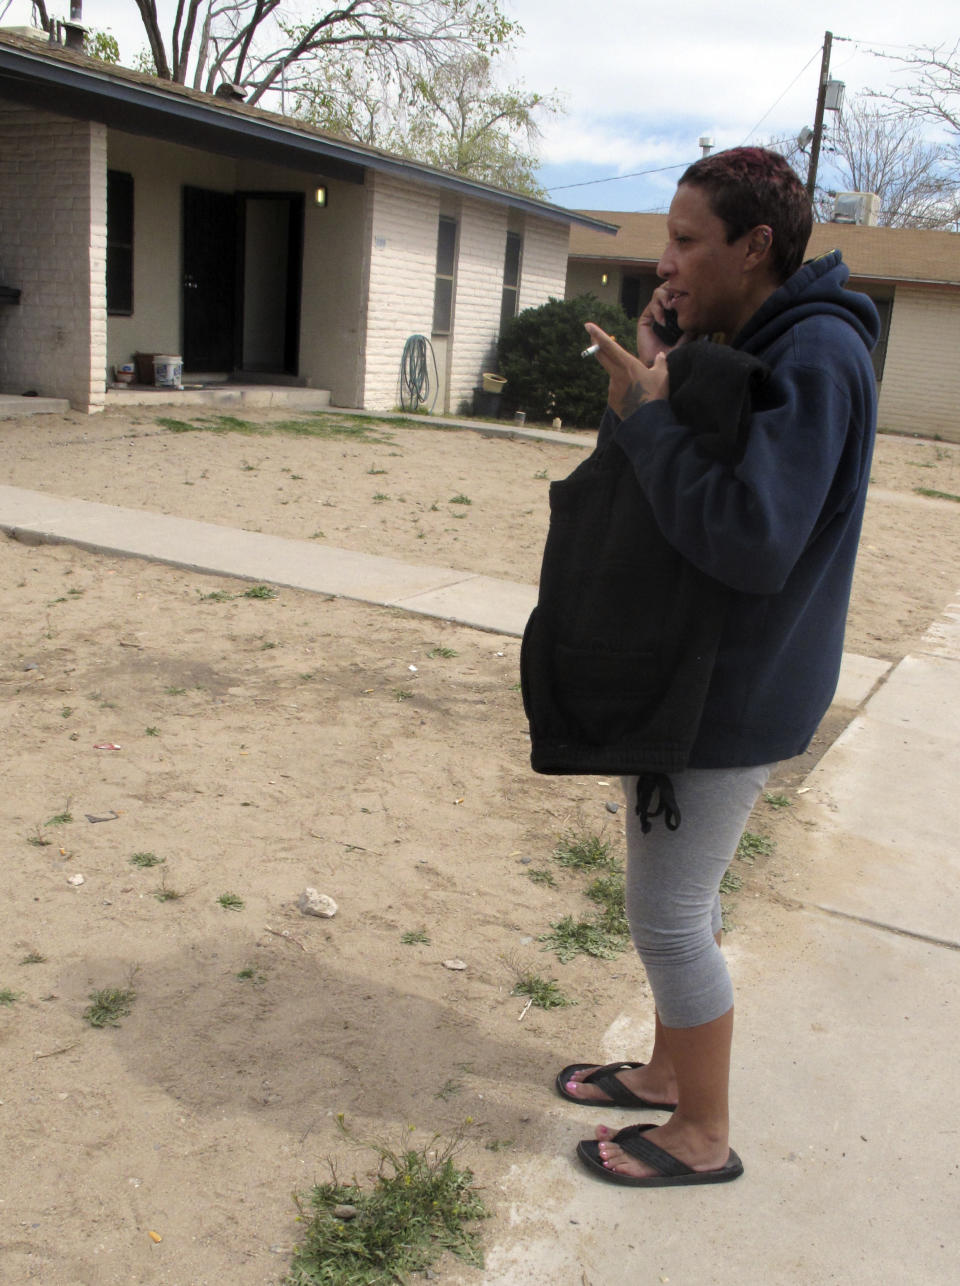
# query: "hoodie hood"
x,y
816,289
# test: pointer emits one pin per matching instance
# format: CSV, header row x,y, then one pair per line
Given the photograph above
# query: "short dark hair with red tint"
x,y
749,186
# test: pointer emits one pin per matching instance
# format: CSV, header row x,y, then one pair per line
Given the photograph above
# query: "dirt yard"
x,y
260,745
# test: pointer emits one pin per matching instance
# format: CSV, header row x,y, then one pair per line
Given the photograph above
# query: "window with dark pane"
x,y
511,278
443,288
119,243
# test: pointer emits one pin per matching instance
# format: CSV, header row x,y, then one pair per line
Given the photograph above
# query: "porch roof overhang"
x,y
82,88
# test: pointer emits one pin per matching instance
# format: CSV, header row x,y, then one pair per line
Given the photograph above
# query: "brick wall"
x,y
544,271
479,289
403,260
403,253
53,219
920,392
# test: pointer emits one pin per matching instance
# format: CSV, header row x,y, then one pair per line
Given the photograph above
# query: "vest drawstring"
x,y
659,784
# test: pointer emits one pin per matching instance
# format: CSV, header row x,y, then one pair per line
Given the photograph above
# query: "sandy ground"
x,y
268,744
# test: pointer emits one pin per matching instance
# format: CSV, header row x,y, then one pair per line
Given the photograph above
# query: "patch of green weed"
x,y
731,882
752,846
109,1006
777,801
581,851
610,892
543,993
146,859
570,937
420,1206
165,894
936,495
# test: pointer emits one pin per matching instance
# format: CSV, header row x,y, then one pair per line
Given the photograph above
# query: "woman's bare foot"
x,y
644,1081
689,1144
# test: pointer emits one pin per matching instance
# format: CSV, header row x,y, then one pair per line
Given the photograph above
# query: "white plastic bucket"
x,y
167,371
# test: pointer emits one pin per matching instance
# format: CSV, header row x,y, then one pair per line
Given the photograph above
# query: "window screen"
x,y
119,243
511,278
443,287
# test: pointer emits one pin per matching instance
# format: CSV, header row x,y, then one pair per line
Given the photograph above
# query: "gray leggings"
x,y
673,882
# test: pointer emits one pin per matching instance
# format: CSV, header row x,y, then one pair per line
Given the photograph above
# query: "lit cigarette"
x,y
589,352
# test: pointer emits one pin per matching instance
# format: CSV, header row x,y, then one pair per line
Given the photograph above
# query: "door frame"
x,y
294,273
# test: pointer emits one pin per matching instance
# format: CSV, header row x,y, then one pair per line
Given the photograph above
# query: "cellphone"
x,y
668,330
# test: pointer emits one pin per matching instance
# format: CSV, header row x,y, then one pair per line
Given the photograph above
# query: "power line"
x,y
614,178
784,94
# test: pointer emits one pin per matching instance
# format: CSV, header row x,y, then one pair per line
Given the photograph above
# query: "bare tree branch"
x,y
883,151
151,25
251,43
933,93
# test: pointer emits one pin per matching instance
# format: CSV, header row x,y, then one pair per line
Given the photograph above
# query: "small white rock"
x,y
454,964
313,903
75,880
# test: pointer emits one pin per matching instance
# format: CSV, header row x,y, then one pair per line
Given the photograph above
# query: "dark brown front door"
x,y
210,277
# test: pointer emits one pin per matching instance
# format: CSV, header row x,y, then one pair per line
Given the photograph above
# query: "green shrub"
x,y
539,355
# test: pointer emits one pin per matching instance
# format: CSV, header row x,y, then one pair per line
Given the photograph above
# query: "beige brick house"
x,y
137,216
913,277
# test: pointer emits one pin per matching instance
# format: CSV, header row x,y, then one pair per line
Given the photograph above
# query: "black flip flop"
x,y
671,1173
606,1080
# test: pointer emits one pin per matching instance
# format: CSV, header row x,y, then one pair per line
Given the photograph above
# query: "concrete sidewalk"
x,y
848,1024
848,1034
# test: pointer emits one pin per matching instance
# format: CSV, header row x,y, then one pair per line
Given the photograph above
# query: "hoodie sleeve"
x,y
747,524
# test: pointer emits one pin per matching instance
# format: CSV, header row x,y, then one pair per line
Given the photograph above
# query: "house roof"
x,y
872,254
58,80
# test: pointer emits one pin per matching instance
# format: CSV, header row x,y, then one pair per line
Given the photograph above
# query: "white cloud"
x,y
711,69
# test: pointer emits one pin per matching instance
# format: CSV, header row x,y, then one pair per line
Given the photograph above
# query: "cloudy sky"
x,y
642,83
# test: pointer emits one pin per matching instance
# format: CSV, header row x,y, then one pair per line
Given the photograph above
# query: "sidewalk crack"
x,y
934,941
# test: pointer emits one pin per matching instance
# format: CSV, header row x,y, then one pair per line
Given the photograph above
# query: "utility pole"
x,y
818,119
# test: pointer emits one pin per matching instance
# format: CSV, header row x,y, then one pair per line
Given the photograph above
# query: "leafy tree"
x,y
101,45
539,355
451,115
461,121
252,43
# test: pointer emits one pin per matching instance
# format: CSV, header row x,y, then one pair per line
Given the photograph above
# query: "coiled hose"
x,y
415,385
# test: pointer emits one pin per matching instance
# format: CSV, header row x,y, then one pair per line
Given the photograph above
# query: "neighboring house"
x,y
140,216
913,277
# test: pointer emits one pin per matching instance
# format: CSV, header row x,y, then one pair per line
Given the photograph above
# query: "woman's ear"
x,y
759,244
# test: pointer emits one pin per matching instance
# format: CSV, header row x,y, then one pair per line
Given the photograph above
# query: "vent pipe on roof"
x,y
74,32
231,91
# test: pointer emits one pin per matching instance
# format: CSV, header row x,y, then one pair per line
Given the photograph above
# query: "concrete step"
x,y
220,394
12,404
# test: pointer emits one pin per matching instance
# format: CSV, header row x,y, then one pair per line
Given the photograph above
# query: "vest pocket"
x,y
606,694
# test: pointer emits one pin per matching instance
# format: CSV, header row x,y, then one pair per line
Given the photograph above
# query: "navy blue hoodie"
x,y
780,528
